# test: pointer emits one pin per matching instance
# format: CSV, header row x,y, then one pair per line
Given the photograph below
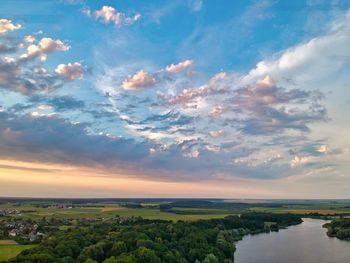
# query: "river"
x,y
303,243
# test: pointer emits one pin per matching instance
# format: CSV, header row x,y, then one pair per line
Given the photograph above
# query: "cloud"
x,y
140,80
29,39
311,60
58,140
70,71
216,134
303,160
16,78
324,149
45,46
196,5
270,109
20,73
215,112
175,68
7,25
108,14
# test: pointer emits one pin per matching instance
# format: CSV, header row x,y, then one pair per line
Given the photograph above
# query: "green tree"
x,y
210,258
118,248
146,255
110,260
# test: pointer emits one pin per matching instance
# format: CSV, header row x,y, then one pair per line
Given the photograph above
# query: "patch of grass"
x,y
64,228
9,251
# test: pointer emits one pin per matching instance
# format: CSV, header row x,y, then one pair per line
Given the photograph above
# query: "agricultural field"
x,y
10,249
186,210
107,211
323,209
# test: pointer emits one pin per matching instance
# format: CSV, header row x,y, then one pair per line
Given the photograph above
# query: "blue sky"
x,y
234,94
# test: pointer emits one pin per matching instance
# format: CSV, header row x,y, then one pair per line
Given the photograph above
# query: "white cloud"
x,y
108,14
139,80
29,39
324,149
175,68
301,161
45,46
70,71
312,60
44,107
216,134
7,25
215,112
266,82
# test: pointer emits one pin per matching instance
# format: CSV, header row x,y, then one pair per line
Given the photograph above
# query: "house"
x,y
13,233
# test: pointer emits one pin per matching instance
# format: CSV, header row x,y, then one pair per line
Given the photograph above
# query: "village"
x,y
28,231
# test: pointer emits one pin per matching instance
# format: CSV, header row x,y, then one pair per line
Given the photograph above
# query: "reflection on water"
x,y
304,243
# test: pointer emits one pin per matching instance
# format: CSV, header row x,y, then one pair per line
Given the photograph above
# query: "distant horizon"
x,y
168,198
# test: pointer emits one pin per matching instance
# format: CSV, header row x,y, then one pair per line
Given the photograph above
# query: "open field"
x,y
10,249
178,211
325,210
107,211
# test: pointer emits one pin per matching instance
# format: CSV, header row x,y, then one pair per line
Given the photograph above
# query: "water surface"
x,y
304,243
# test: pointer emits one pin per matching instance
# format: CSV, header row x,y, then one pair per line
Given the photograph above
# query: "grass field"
x,y
151,211
10,249
303,210
107,211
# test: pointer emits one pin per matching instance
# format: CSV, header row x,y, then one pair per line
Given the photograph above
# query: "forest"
x,y
153,241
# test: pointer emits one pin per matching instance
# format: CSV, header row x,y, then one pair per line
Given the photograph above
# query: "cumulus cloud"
x,y
14,76
140,80
20,73
216,134
325,149
70,71
175,68
29,39
108,14
215,112
45,46
7,25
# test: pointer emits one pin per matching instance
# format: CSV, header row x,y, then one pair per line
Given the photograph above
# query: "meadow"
x,y
10,249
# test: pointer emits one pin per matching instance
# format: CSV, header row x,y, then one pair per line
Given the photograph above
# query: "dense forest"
x,y
339,228
153,241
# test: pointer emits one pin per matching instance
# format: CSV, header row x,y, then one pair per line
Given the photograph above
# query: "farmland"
x,y
160,209
10,249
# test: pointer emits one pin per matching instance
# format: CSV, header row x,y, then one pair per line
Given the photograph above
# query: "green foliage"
x,y
210,258
118,248
151,241
339,228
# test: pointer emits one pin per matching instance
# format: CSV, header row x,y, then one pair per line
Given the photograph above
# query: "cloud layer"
x,y
169,121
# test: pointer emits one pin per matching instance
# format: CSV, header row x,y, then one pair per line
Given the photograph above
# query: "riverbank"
x,y
339,228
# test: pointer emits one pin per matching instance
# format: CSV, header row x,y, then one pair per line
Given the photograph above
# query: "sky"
x,y
182,98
